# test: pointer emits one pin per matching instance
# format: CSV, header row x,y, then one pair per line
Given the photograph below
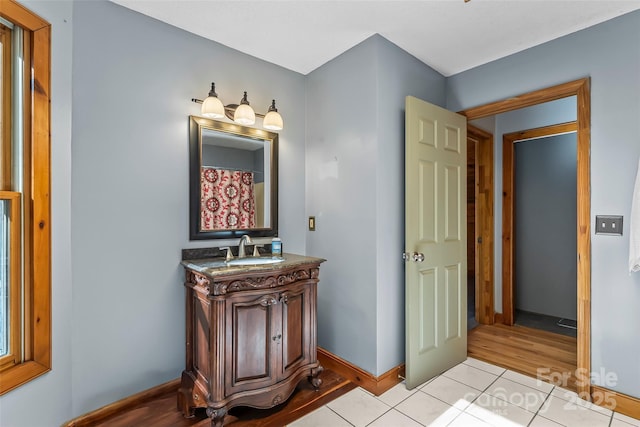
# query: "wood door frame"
x,y
484,215
581,90
508,208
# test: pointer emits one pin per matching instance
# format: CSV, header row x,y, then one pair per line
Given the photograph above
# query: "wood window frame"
x,y
5,145
36,316
13,357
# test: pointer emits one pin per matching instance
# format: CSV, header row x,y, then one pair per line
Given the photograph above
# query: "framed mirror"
x,y
233,180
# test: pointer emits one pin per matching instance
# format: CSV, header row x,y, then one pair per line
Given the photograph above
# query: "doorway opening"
x,y
539,223
581,90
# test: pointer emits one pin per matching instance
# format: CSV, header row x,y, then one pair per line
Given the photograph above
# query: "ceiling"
x,y
451,36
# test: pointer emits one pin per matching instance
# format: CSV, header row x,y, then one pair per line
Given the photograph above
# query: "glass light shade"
x,y
244,115
272,121
212,107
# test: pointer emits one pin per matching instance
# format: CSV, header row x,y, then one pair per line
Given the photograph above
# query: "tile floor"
x,y
473,393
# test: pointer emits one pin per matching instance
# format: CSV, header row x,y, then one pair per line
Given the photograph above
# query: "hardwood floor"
x,y
162,411
540,354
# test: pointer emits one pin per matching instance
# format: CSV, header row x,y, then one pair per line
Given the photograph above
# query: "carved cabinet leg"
x,y
184,407
313,379
217,416
185,401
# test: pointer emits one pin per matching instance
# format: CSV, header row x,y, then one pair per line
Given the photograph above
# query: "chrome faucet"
x,y
243,241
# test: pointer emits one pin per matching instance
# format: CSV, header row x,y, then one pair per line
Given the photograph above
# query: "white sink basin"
x,y
213,264
254,261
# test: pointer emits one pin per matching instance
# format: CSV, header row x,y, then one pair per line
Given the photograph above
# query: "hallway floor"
x,y
546,323
473,393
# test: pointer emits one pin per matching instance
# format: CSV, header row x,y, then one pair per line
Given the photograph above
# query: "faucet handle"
x,y
229,256
256,252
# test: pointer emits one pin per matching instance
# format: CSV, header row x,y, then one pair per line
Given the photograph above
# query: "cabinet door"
x,y
253,328
298,337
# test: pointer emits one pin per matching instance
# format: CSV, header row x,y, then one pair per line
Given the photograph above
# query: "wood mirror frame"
x,y
270,139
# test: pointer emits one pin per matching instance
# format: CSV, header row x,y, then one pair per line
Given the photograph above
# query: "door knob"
x,y
417,257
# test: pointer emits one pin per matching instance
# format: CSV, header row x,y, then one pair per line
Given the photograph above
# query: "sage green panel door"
x,y
435,240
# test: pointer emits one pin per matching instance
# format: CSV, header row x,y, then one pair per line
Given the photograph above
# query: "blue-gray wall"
x,y
545,225
399,75
609,53
341,144
355,188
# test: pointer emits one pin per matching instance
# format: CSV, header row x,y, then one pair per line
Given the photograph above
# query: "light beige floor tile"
x,y
358,407
438,403
488,367
498,412
626,419
518,394
528,381
466,420
619,423
426,382
427,410
573,398
321,417
540,421
396,419
565,394
471,376
367,391
452,392
396,394
569,414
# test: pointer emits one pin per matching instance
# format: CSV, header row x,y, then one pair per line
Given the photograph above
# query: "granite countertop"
x,y
216,267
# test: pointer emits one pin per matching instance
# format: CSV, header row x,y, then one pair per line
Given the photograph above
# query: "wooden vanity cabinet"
x,y
250,338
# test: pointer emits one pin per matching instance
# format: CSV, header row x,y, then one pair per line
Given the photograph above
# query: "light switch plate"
x,y
312,223
609,224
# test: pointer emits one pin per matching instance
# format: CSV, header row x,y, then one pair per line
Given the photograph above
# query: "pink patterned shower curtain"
x,y
226,199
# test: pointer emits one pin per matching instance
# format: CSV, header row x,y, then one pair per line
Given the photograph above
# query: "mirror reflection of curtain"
x,y
227,199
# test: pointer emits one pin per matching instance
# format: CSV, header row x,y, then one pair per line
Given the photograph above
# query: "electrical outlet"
x,y
609,224
312,223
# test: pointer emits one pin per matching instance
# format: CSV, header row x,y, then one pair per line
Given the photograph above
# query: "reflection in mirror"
x,y
233,180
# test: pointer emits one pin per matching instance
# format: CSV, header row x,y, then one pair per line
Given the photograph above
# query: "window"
x,y
25,228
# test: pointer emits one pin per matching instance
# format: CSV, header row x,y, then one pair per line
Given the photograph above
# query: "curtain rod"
x,y
231,169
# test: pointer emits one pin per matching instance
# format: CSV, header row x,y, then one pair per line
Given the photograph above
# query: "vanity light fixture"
x,y
273,119
244,114
212,106
241,113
